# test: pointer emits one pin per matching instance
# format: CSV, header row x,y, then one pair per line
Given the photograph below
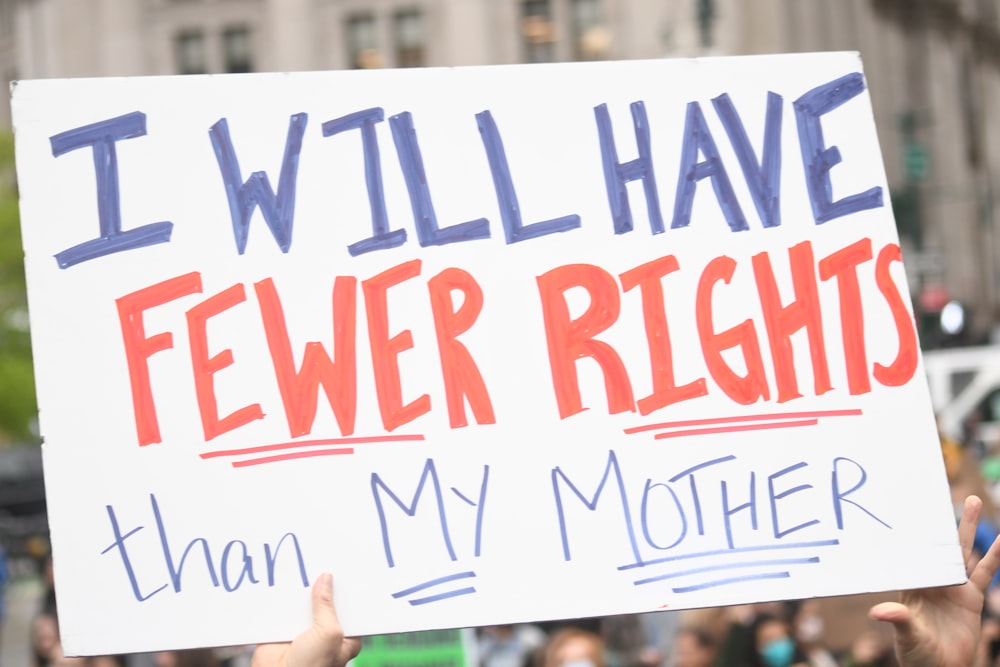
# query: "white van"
x,y
965,392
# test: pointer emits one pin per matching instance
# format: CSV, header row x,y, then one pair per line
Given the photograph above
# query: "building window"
x,y
189,49
408,28
237,51
362,47
591,39
537,32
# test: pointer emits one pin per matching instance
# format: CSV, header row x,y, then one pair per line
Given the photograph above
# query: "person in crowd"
x,y
3,582
199,657
693,646
49,594
46,647
808,627
574,647
627,642
509,645
740,629
773,643
659,628
932,627
44,639
627,639
869,649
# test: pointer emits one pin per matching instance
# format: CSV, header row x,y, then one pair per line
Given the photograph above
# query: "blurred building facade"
x,y
933,68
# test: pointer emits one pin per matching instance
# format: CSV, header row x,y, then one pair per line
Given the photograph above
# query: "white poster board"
x,y
542,342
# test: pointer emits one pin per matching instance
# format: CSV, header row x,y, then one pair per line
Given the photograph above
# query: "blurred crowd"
x,y
824,632
772,634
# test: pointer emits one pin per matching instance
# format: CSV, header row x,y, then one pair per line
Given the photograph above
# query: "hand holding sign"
x,y
939,627
321,645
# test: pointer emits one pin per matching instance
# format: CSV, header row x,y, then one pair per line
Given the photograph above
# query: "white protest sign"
x,y
489,344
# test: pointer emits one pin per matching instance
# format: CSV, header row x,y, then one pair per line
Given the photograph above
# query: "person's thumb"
x,y
326,626
329,646
320,645
325,619
901,619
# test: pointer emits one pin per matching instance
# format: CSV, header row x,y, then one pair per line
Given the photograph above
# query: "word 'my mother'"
x,y
763,176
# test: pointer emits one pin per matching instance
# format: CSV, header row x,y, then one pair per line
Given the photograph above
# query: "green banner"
x,y
434,648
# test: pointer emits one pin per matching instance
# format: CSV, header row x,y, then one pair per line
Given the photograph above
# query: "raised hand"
x,y
939,627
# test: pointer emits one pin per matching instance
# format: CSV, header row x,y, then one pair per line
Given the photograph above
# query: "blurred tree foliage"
x,y
18,410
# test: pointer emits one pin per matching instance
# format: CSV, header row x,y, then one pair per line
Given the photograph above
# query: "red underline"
x,y
311,443
744,418
293,455
738,427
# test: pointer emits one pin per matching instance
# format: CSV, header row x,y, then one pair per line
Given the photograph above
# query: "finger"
x,y
967,529
325,613
322,599
987,567
903,624
891,612
325,620
320,645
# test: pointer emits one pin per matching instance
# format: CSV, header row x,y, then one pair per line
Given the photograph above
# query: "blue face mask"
x,y
778,653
